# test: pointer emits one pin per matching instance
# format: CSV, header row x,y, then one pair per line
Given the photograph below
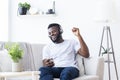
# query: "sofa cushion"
x,y
1,45
37,54
80,65
85,77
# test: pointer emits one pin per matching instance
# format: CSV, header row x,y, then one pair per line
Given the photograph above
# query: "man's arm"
x,y
83,51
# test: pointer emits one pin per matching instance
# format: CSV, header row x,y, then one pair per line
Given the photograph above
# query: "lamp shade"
x,y
105,11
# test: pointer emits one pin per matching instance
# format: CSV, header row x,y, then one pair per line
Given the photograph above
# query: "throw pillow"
x,y
5,61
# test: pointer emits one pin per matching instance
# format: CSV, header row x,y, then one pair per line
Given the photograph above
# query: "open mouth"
x,y
53,38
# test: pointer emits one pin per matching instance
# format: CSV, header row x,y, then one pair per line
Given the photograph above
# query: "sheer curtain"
x,y
3,20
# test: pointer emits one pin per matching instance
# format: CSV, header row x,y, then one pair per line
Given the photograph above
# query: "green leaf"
x,y
14,50
25,5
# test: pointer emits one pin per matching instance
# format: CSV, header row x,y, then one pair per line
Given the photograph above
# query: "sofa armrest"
x,y
94,66
100,68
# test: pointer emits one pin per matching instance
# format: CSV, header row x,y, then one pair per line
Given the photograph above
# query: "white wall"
x,y
70,13
4,20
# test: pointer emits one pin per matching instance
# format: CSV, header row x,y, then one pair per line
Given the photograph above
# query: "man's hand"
x,y
76,31
48,62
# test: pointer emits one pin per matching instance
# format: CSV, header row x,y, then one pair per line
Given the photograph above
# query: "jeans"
x,y
64,73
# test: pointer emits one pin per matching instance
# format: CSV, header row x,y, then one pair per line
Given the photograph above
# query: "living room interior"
x,y
32,27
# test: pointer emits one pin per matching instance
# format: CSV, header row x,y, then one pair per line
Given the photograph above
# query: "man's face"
x,y
54,34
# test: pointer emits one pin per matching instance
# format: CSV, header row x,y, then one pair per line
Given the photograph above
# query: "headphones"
x,y
57,25
60,29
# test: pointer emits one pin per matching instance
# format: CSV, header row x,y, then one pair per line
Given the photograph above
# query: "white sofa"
x,y
93,68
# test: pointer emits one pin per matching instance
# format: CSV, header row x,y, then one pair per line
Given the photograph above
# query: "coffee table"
x,y
24,75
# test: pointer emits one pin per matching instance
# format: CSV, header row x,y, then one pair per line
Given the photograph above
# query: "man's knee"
x,y
43,68
67,73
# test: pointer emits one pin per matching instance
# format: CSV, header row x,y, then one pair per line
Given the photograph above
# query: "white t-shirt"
x,y
63,54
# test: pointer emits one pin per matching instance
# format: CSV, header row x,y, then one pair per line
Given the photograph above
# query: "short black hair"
x,y
54,24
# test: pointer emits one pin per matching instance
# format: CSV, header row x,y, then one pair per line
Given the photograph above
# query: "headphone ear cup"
x,y
61,31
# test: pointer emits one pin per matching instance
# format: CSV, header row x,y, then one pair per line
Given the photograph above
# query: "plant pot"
x,y
106,57
22,10
16,67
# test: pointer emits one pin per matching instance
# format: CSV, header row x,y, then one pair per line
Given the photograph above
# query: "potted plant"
x,y
16,54
105,54
105,51
23,8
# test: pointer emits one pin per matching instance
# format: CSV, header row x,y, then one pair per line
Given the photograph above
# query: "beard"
x,y
55,39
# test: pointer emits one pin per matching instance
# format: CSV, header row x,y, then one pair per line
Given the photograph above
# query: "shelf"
x,y
109,61
38,15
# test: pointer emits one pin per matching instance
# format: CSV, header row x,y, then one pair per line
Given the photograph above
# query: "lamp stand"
x,y
109,50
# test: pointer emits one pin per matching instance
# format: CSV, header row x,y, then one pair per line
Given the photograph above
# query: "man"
x,y
59,57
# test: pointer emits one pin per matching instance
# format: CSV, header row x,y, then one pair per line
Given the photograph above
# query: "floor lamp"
x,y
109,50
106,14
